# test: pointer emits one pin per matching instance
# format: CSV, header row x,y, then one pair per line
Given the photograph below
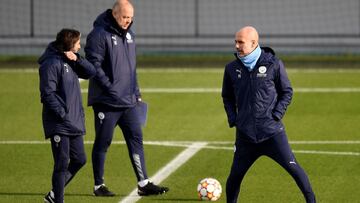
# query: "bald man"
x,y
256,92
114,94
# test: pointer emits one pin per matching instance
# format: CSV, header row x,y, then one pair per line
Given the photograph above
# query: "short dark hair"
x,y
66,39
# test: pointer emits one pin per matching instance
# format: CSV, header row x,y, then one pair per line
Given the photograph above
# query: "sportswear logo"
x,y
262,72
113,37
239,73
66,66
129,38
101,116
262,69
57,140
292,162
137,163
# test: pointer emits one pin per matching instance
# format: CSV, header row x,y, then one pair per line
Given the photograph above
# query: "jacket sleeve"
x,y
49,81
229,99
83,68
284,91
95,50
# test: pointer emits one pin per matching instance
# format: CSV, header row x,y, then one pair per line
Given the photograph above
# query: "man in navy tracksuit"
x,y
63,114
114,94
256,92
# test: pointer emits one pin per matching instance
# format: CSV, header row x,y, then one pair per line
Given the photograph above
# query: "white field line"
x,y
169,168
327,90
218,90
192,144
326,152
189,143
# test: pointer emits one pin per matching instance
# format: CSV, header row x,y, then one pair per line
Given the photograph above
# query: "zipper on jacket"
x,y
126,48
252,102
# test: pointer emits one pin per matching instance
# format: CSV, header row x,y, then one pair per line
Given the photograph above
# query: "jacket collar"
x,y
264,60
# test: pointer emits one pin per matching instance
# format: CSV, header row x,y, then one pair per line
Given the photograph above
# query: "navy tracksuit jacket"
x,y
113,92
112,51
255,102
63,112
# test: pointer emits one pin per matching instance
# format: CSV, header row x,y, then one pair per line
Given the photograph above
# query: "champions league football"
x,y
209,189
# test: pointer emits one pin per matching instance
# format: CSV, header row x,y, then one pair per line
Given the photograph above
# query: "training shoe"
x,y
49,199
151,189
103,191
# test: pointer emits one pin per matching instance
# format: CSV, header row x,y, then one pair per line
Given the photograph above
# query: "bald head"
x,y
123,12
246,40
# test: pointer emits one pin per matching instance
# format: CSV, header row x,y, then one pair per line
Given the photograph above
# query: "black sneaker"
x,y
103,191
151,189
49,199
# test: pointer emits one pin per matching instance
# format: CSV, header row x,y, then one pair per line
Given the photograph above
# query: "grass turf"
x,y
26,169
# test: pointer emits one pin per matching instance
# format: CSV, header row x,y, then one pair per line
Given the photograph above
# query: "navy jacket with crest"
x,y
255,101
63,112
112,51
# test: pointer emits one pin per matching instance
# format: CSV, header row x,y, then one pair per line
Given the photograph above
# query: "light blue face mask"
x,y
250,60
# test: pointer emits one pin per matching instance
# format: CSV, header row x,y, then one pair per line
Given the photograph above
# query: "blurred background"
x,y
183,46
193,27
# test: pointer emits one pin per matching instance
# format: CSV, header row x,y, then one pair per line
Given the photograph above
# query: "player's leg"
x,y
105,122
60,149
244,156
278,149
131,128
77,157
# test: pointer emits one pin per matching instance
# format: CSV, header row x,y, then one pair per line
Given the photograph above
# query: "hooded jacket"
x,y
255,101
60,92
112,51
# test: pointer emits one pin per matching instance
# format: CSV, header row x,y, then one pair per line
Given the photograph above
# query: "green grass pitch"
x,y
188,117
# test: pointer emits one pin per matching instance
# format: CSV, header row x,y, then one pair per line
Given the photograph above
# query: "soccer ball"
x,y
209,189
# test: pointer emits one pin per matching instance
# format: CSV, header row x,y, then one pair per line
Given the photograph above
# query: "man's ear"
x,y
253,43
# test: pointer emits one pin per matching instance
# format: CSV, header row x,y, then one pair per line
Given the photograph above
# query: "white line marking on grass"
x,y
326,152
19,70
9,142
299,151
181,90
322,70
218,90
327,90
197,145
172,166
326,142
188,143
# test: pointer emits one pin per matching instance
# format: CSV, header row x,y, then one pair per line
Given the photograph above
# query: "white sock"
x,y
98,186
52,195
142,183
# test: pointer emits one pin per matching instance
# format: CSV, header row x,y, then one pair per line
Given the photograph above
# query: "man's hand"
x,y
70,55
